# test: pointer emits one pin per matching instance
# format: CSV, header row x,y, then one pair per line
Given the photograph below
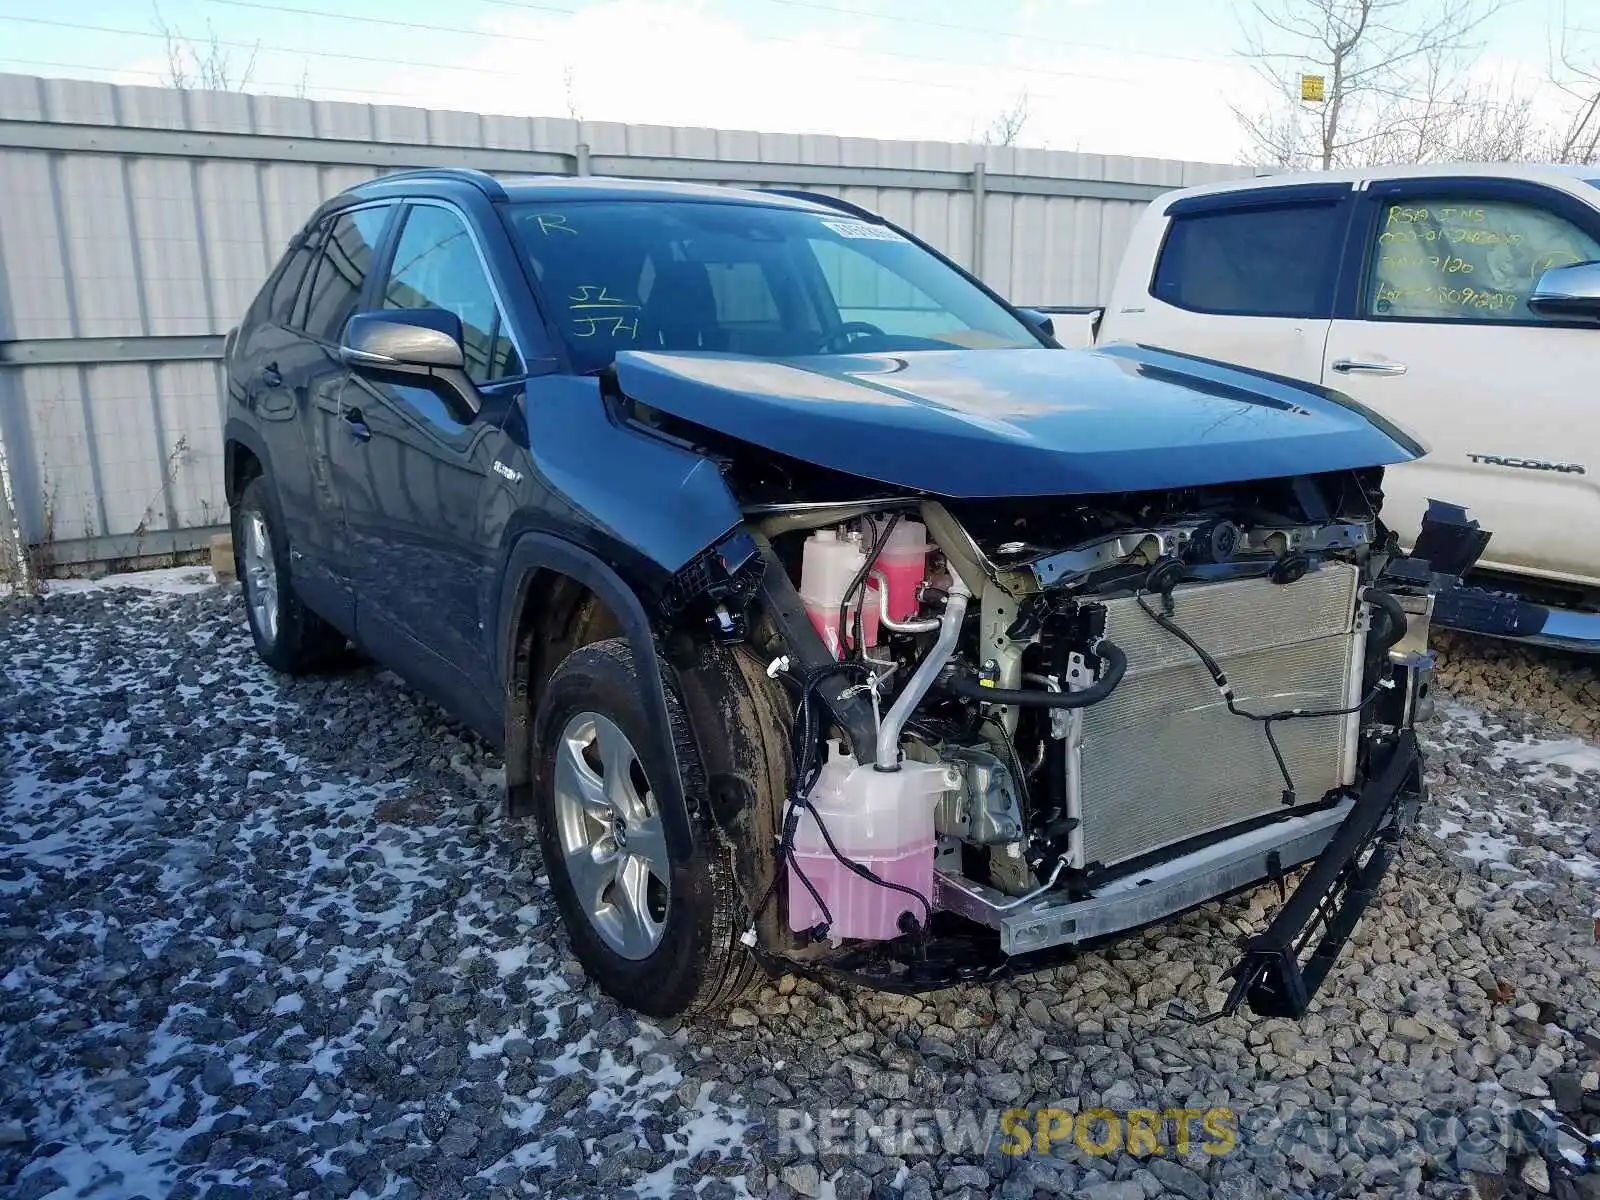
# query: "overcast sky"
x,y
1136,77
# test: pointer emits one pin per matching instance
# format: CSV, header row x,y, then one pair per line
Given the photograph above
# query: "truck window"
x,y
1466,260
1262,262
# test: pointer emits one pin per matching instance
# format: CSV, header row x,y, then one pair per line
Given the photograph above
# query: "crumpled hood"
x,y
987,423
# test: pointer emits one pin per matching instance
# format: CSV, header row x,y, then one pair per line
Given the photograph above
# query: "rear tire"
x,y
289,637
655,924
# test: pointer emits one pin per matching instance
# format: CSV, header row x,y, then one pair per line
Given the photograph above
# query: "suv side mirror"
x,y
1041,321
1568,291
410,341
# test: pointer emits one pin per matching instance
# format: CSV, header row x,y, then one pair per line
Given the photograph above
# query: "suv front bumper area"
x,y
1350,846
1352,843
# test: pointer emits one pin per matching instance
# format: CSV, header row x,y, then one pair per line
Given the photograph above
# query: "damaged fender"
x,y
657,502
657,505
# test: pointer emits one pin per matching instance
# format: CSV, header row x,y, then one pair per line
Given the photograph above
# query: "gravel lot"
x,y
262,938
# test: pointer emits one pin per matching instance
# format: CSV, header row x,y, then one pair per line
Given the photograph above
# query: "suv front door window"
x,y
436,265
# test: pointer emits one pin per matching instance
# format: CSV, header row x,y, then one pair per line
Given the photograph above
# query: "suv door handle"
x,y
1346,366
357,425
271,376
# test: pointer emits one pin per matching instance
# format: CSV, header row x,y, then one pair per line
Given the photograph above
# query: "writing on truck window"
x,y
1467,261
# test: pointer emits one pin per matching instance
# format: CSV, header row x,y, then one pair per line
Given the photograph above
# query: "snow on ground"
x,y
165,581
258,935
1541,818
271,938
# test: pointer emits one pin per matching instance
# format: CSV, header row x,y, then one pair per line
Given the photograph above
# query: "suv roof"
x,y
448,181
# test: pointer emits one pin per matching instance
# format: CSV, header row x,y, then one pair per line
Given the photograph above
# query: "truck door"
x,y
1247,277
1437,336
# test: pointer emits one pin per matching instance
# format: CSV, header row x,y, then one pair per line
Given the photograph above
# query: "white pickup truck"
x,y
1460,302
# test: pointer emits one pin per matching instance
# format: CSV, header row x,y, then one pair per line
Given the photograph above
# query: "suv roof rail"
x,y
824,199
484,182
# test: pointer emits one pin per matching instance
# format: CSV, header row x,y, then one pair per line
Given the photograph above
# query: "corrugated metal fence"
x,y
137,223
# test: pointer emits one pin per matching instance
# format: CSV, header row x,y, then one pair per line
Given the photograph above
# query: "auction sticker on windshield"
x,y
864,231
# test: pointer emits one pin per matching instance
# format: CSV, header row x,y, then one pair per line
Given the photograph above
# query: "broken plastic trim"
x,y
1330,899
849,708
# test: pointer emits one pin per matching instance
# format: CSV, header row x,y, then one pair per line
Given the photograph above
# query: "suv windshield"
x,y
745,279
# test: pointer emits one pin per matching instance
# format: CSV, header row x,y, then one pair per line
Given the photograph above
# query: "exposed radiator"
x,y
1162,759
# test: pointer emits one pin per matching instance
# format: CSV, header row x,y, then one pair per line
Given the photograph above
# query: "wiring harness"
x,y
1385,603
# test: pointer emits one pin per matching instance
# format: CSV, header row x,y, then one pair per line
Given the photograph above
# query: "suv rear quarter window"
x,y
286,284
1279,261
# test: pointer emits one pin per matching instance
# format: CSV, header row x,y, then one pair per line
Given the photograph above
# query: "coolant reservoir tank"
x,y
904,563
828,563
881,820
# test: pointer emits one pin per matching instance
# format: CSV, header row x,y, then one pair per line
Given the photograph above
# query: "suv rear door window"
x,y
436,265
342,270
1264,262
1463,260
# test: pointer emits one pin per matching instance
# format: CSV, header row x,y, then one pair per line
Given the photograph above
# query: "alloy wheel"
x,y
611,835
260,575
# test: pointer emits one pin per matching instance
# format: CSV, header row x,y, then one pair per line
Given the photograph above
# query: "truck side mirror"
x,y
1572,291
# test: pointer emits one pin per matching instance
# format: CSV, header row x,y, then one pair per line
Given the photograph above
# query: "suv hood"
x,y
971,424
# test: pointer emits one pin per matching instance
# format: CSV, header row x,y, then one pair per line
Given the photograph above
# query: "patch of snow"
x,y
164,581
510,961
1486,848
1574,754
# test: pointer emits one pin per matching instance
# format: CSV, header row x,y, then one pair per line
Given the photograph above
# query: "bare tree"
x,y
1575,72
1006,128
1458,119
1386,67
570,87
208,63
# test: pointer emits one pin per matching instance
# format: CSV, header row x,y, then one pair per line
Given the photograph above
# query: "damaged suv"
x,y
828,615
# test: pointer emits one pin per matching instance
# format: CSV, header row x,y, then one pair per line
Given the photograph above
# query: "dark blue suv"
x,y
828,615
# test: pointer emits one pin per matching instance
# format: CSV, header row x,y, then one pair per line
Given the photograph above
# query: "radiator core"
x,y
1163,760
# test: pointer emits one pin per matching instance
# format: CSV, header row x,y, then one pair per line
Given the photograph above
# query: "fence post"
x,y
979,203
582,155
16,569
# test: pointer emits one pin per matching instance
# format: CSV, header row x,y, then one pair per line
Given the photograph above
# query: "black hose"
x,y
858,583
1397,620
1116,667
1218,677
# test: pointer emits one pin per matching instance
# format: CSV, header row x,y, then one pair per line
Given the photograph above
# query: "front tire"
x,y
289,637
654,923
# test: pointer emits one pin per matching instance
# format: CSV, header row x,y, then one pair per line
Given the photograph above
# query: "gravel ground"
x,y
267,938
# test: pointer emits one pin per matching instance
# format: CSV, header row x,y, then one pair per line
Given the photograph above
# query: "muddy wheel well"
x,y
243,466
558,615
